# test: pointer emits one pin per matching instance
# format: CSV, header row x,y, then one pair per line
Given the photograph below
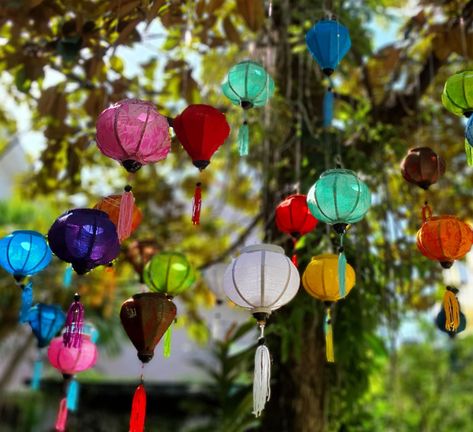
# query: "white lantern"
x,y
214,279
261,279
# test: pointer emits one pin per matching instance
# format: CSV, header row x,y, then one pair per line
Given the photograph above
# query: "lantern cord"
x,y
197,203
61,419
167,342
37,372
342,266
74,324
26,301
67,278
72,395
294,251
125,215
328,330
262,375
138,410
452,310
426,212
244,136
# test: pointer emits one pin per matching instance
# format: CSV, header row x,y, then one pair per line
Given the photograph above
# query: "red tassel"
x,y
125,216
294,253
138,410
197,204
61,419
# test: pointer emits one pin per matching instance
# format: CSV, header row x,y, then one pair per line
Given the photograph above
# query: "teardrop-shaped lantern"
x,y
145,318
457,96
45,321
422,167
328,42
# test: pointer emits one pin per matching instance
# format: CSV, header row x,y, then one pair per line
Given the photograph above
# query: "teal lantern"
x,y
339,198
248,85
457,96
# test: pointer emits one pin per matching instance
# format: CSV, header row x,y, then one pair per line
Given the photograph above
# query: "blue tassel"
x,y
244,138
72,395
328,108
26,301
342,265
37,372
67,280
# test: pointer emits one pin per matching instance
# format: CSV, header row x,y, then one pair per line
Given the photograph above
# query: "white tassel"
x,y
262,379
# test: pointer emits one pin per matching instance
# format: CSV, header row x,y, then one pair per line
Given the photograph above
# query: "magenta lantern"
x,y
72,360
134,133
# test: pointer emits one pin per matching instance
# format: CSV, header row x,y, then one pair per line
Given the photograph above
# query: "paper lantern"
x,y
443,238
201,129
261,279
133,132
169,273
457,94
213,276
328,42
45,322
86,238
294,218
422,167
248,85
321,280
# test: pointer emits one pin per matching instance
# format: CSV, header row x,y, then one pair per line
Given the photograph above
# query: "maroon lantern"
x,y
422,167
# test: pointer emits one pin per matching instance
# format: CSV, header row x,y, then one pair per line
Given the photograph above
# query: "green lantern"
x,y
339,198
169,273
457,94
248,85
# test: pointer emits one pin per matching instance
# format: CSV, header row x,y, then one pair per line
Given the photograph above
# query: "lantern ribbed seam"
x,y
115,129
318,206
236,286
324,289
94,236
465,99
439,233
188,270
335,203
27,255
288,261
41,260
263,88
8,253
145,125
453,102
460,242
246,79
357,196
263,261
168,270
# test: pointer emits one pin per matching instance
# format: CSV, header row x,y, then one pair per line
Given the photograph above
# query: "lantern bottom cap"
x,y
145,357
261,309
201,164
131,165
328,71
446,264
340,228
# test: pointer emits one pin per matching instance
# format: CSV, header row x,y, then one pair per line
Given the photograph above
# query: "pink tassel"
x,y
74,324
197,204
125,216
138,410
61,419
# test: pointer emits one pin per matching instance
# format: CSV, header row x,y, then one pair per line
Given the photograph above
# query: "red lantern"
x,y
422,167
293,217
201,129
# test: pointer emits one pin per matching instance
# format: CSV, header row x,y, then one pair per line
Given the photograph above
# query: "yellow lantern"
x,y
320,280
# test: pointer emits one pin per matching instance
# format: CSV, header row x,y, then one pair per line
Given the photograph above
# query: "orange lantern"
x,y
443,238
111,205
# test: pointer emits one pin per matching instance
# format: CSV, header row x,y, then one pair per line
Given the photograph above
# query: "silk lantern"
x,y
45,322
145,318
328,42
261,279
339,198
213,276
450,319
22,254
201,129
294,218
457,94
248,85
321,280
86,238
422,167
443,238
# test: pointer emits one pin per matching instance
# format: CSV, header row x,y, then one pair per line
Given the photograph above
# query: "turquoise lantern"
x,y
23,254
248,85
339,198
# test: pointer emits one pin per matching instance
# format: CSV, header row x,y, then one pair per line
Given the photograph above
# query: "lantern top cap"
x,y
149,294
338,171
263,247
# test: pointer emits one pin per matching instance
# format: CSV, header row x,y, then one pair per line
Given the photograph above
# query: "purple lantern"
x,y
133,132
86,238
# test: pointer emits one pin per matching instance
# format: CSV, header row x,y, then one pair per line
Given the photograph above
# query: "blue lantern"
x,y
46,321
328,42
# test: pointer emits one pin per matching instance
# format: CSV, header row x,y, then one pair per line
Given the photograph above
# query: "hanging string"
x,y
262,374
294,251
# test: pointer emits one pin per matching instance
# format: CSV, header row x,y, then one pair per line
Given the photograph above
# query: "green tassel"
x,y
244,138
469,153
342,268
167,342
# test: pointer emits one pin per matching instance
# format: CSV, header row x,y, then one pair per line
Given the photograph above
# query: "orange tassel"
x,y
197,204
125,216
138,410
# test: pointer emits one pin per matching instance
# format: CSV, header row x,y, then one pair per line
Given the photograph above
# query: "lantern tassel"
x,y
294,253
244,138
61,419
125,215
138,410
328,330
452,310
197,204
73,395
328,108
67,278
469,153
167,342
26,301
342,268
74,324
262,376
37,373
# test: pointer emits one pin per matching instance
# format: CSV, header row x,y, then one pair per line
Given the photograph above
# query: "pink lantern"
x,y
134,133
70,360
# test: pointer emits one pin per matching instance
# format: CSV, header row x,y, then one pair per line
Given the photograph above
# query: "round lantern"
x,y
201,129
70,360
45,322
261,279
443,238
86,238
469,135
457,94
422,167
328,42
213,276
248,85
169,273
133,132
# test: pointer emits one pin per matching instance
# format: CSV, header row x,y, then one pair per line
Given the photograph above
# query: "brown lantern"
x,y
145,318
422,167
